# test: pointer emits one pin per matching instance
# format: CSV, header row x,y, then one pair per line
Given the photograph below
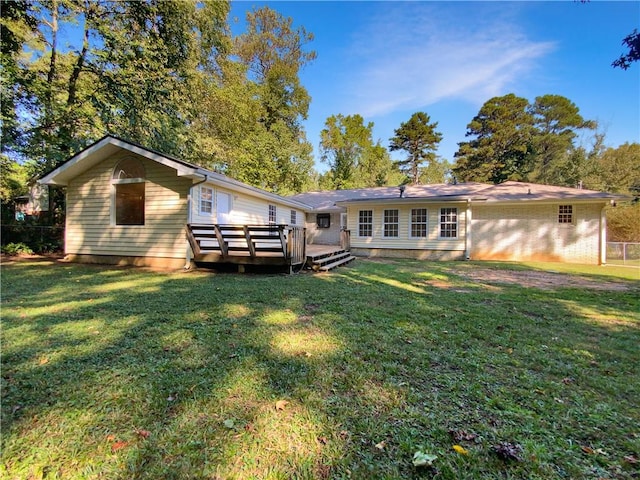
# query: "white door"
x,y
223,208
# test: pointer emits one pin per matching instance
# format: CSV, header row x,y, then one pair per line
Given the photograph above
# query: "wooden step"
x,y
330,258
323,256
342,261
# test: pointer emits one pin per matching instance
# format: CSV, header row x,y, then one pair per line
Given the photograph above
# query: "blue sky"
x,y
387,60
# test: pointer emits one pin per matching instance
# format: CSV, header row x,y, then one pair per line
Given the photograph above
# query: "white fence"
x,y
623,253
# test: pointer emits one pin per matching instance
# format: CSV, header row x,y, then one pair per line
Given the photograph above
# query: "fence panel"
x,y
623,253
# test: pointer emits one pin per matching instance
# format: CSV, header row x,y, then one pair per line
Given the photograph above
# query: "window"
x,y
448,223
206,200
323,220
565,213
128,192
365,223
272,214
294,217
390,223
418,222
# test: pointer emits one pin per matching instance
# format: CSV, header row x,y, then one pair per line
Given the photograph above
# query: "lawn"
x,y
472,370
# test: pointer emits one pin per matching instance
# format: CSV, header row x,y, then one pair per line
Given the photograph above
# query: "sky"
x,y
386,60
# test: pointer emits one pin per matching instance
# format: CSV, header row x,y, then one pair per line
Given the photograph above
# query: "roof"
x,y
446,192
109,145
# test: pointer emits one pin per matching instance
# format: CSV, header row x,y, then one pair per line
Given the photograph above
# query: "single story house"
x,y
474,221
127,204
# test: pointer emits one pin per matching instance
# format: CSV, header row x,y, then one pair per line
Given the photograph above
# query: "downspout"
x,y
467,230
603,235
187,265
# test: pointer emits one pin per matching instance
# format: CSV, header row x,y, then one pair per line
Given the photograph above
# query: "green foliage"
x,y
419,139
117,373
17,249
623,223
534,143
502,148
354,161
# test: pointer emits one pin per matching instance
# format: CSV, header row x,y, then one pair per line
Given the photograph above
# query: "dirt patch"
x,y
541,280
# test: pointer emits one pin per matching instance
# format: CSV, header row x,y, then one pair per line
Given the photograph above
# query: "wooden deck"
x,y
265,245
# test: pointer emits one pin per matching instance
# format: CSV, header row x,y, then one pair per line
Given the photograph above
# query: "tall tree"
x,y
556,121
632,42
273,51
419,139
502,147
355,161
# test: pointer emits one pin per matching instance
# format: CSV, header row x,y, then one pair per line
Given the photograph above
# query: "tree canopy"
x,y
419,139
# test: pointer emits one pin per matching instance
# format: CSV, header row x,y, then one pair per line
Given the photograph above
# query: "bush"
x,y
623,223
17,249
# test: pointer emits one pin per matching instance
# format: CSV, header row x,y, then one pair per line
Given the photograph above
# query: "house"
x,y
473,221
127,204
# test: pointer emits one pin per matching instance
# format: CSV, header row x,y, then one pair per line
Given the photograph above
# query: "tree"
x,y
556,120
419,139
632,41
502,148
346,145
273,52
619,169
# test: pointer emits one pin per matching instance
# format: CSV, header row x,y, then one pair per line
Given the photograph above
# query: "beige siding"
x,y
532,232
90,229
245,209
404,241
323,236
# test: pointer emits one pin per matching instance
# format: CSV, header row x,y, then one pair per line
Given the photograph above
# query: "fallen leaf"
x,y
588,450
249,427
423,459
508,451
118,446
111,437
229,423
462,436
281,404
143,433
15,409
461,450
171,398
344,434
631,459
322,440
380,446
43,361
567,380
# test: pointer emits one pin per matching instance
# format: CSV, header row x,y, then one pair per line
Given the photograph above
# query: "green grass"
x,y
121,373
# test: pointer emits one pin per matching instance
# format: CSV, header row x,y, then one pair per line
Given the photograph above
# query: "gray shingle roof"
x,y
443,192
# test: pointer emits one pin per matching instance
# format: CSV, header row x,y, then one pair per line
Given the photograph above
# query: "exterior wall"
x,y
532,232
91,234
323,236
245,209
412,247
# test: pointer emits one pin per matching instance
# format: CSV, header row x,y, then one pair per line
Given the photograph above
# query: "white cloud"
x,y
421,53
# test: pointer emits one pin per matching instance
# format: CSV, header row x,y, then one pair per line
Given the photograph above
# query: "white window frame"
x,y
566,214
368,224
272,214
446,223
391,223
294,217
204,192
424,223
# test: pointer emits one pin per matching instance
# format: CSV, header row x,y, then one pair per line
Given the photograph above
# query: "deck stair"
x,y
325,261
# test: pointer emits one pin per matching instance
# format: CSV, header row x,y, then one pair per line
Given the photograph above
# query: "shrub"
x,y
17,249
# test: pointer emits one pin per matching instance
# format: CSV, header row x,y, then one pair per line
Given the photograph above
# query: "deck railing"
x,y
345,239
258,244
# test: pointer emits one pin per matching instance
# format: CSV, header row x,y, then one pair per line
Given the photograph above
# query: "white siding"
x,y
245,209
89,224
404,241
532,232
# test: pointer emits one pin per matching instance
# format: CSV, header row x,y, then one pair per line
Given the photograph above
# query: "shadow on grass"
x,y
124,373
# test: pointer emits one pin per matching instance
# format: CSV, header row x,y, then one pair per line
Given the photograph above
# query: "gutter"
x,y
187,264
